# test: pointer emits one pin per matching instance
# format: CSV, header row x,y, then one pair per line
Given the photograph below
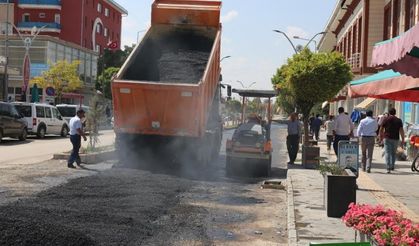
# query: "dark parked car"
x,y
12,123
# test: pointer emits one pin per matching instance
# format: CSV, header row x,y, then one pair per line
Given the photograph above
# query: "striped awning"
x,y
366,103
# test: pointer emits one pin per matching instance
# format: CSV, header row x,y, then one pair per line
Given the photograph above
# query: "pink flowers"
x,y
387,227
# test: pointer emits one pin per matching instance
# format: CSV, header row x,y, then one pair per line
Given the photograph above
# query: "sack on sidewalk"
x,y
401,154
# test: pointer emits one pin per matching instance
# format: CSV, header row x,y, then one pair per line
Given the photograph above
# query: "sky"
x,y
256,51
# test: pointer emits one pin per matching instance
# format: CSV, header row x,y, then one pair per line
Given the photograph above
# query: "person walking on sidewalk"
x,y
329,125
390,130
76,132
343,129
293,138
317,124
367,130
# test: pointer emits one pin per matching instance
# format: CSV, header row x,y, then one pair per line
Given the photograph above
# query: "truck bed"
x,y
172,54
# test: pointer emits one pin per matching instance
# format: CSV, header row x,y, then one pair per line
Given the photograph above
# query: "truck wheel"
x,y
1,135
23,135
41,132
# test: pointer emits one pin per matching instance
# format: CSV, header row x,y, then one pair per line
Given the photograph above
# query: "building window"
x,y
106,12
85,21
42,15
99,8
97,48
98,28
105,32
57,18
396,17
26,17
87,2
410,10
387,22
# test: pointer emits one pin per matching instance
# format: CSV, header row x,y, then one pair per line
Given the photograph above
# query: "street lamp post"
x,y
312,39
243,99
138,35
306,39
225,57
289,40
6,54
27,42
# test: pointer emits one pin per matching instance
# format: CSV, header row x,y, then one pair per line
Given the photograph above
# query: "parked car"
x,y
43,119
68,111
12,123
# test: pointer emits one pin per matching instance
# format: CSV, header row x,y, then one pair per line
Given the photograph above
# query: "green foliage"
x,y
330,167
104,81
311,78
62,76
113,58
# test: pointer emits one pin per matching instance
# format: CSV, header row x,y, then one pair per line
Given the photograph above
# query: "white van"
x,y
42,119
68,111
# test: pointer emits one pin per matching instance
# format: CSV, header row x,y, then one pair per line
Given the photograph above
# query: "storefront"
x,y
46,50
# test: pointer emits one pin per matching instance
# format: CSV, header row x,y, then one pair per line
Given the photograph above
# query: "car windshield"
x,y
67,111
24,110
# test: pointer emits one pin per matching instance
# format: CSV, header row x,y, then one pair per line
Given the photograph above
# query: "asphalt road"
x,y
100,205
34,150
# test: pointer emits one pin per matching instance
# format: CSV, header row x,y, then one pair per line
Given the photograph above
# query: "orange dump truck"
x,y
166,96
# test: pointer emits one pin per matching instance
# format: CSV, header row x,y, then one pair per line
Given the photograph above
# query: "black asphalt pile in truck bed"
x,y
174,55
183,66
116,207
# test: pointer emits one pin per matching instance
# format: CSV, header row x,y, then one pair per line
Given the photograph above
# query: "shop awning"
x,y
386,85
366,103
400,53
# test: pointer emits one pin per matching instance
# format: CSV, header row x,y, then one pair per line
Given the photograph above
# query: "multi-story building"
x,y
354,28
68,29
88,23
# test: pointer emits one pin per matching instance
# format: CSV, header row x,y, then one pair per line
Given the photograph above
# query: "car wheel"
x,y
41,132
64,131
23,135
1,135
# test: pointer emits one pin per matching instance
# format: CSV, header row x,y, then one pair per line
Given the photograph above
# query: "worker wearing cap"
x,y
76,132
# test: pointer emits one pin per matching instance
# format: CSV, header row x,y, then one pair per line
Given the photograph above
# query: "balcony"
x,y
48,26
40,4
354,62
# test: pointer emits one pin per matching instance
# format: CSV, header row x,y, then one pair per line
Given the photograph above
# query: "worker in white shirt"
x,y
367,130
76,133
343,129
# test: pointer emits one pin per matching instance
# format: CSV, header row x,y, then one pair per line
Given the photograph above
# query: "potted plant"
x,y
382,226
339,188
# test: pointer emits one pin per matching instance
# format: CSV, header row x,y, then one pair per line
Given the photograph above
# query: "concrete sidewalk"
x,y
307,219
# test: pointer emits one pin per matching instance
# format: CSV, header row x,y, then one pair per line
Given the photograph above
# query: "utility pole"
x,y
6,54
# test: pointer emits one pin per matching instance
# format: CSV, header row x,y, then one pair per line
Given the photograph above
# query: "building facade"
x,y
68,30
44,51
91,24
353,29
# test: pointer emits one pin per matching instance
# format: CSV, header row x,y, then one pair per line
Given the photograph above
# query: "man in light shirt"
x,y
342,130
330,126
367,130
76,132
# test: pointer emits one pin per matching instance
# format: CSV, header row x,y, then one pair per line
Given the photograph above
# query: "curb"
x,y
292,231
91,158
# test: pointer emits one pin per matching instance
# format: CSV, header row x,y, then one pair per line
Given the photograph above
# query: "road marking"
x,y
384,198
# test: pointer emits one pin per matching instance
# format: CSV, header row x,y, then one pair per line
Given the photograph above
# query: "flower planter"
x,y
340,191
310,156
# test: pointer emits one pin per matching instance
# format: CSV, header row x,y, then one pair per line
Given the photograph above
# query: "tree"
x,y
113,58
62,76
311,78
285,100
104,81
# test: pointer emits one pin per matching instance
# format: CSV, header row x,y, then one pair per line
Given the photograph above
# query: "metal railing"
x,y
355,60
41,2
